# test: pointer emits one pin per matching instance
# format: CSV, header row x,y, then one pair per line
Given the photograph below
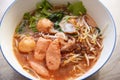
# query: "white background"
x,y
111,71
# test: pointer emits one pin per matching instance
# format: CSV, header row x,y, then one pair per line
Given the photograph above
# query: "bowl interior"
x,y
15,13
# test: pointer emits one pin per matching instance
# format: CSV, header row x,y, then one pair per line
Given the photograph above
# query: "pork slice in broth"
x,y
53,55
90,21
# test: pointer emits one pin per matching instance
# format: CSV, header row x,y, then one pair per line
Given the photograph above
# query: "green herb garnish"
x,y
77,8
21,27
56,17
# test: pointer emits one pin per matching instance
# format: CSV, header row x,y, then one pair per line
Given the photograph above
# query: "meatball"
x,y
27,44
44,25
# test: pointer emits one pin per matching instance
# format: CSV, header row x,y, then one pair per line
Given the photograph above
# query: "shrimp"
x,y
27,44
41,48
44,25
53,55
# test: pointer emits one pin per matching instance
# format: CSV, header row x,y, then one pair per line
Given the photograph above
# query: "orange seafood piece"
x,y
40,69
53,55
41,48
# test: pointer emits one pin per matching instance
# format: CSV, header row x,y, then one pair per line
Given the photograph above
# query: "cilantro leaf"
x,y
77,8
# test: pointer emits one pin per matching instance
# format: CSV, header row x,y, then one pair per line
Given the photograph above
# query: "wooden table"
x,y
110,71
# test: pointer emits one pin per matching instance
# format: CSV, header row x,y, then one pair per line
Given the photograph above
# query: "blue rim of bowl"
x,y
115,39
0,44
89,74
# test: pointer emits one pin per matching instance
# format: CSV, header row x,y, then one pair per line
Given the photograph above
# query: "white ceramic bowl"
x,y
14,15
